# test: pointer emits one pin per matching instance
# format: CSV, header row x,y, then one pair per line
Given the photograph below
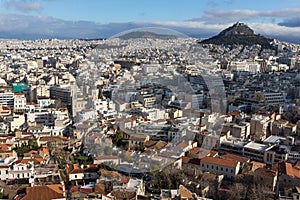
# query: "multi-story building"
x,y
67,95
40,116
228,168
239,131
43,101
235,147
7,98
150,68
19,102
288,175
274,98
247,66
276,153
266,177
21,172
255,151
259,127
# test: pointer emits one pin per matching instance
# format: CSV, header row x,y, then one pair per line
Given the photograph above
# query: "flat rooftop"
x,y
272,139
256,146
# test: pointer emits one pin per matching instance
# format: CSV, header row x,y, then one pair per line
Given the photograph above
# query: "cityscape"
x,y
151,110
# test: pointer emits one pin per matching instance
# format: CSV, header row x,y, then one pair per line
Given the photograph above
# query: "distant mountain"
x,y
146,34
240,34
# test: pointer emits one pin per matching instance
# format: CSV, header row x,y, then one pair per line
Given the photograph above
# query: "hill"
x,y
146,34
239,34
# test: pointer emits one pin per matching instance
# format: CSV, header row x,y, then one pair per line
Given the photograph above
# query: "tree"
x,y
118,138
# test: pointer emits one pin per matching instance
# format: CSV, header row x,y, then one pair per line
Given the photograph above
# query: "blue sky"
x,y
105,11
92,18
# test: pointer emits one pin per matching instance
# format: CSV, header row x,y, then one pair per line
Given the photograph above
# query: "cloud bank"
x,y
25,6
281,24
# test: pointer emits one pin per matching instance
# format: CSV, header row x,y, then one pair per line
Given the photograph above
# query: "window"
x,y
75,176
217,168
212,166
231,170
221,168
226,169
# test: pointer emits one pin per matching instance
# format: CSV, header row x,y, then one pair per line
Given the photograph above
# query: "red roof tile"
x,y
219,161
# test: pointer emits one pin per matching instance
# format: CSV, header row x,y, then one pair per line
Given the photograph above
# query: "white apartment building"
x,y
150,68
247,66
19,102
21,171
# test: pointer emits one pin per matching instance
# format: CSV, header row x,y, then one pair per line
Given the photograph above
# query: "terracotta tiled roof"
x,y
234,113
195,150
185,159
133,118
288,169
45,192
150,143
76,170
219,161
36,161
160,144
124,194
185,193
53,138
4,147
182,144
45,150
266,172
212,153
229,156
3,140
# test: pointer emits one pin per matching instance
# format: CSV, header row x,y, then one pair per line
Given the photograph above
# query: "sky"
x,y
31,19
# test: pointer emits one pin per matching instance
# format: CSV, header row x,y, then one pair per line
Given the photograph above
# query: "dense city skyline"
x,y
30,19
115,99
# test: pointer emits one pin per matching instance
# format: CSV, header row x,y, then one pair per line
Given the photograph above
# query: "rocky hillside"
x,y
239,34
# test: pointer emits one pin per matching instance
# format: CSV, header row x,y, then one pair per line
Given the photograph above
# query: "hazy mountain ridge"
x,y
146,34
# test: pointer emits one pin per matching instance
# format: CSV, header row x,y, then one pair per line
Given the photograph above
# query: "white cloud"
x,y
24,26
25,6
226,16
276,30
